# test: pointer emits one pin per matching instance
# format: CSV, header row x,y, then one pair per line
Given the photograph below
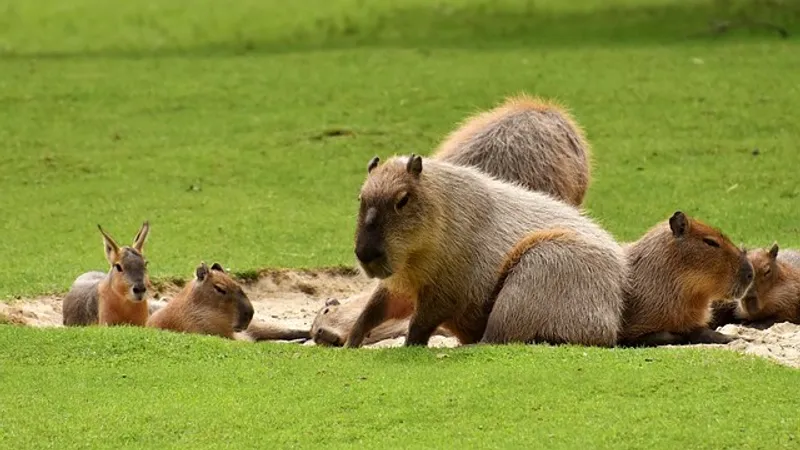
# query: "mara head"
x,y
391,213
219,291
767,277
710,261
128,266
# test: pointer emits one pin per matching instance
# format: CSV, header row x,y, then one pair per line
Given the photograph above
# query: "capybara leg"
x,y
656,339
424,323
762,324
723,313
373,315
708,336
562,290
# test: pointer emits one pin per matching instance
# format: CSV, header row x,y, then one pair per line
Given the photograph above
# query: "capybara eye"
x,y
325,311
219,289
118,267
767,272
402,202
711,242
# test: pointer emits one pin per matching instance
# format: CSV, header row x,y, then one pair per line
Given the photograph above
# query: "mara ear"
x,y
217,267
773,251
678,223
414,165
141,236
110,246
332,302
373,163
202,271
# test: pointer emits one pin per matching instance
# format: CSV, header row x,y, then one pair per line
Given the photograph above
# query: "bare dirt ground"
x,y
293,297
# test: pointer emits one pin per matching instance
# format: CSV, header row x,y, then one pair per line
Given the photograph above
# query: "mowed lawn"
x,y
242,132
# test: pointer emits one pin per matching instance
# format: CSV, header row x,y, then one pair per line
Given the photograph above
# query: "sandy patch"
x,y
293,297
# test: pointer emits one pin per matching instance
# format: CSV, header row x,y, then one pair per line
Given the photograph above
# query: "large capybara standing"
x,y
438,233
529,141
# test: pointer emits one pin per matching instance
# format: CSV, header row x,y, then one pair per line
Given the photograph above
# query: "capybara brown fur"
x,y
675,272
774,296
118,297
437,234
212,303
525,140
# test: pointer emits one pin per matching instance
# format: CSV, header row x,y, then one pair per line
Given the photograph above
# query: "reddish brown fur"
x,y
113,306
674,280
200,308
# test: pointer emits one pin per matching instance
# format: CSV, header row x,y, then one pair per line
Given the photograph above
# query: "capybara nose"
x,y
367,254
139,289
746,272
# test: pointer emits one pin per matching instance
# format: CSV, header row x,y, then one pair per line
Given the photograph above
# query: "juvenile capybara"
x,y
774,296
118,297
525,140
437,234
212,303
675,272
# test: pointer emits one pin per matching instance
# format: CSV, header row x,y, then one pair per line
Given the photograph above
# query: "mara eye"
x,y
402,202
118,267
711,242
219,289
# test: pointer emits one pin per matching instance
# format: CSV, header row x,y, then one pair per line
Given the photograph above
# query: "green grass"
x,y
242,131
144,388
214,122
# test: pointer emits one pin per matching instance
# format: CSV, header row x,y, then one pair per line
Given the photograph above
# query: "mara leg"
x,y
374,314
706,335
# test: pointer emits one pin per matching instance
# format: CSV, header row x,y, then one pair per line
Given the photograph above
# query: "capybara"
x,y
438,233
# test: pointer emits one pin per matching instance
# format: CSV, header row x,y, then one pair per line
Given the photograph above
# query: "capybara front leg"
x,y
373,315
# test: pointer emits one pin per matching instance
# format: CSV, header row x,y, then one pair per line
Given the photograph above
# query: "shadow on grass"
x,y
483,26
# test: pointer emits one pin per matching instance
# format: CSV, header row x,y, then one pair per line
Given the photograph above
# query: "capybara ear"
x,y
414,165
373,163
202,271
216,266
678,223
110,246
141,236
773,251
332,302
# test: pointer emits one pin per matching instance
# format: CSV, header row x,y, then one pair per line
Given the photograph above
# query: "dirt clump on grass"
x,y
293,297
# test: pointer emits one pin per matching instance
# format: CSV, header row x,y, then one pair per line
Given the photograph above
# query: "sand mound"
x,y
293,297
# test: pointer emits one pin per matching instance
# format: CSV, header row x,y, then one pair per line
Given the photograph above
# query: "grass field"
x,y
242,131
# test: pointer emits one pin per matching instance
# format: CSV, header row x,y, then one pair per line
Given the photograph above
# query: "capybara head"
x,y
322,329
711,263
767,276
392,212
129,278
218,290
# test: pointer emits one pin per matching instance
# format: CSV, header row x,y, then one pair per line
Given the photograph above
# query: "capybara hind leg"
x,y
656,339
562,290
708,336
761,324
